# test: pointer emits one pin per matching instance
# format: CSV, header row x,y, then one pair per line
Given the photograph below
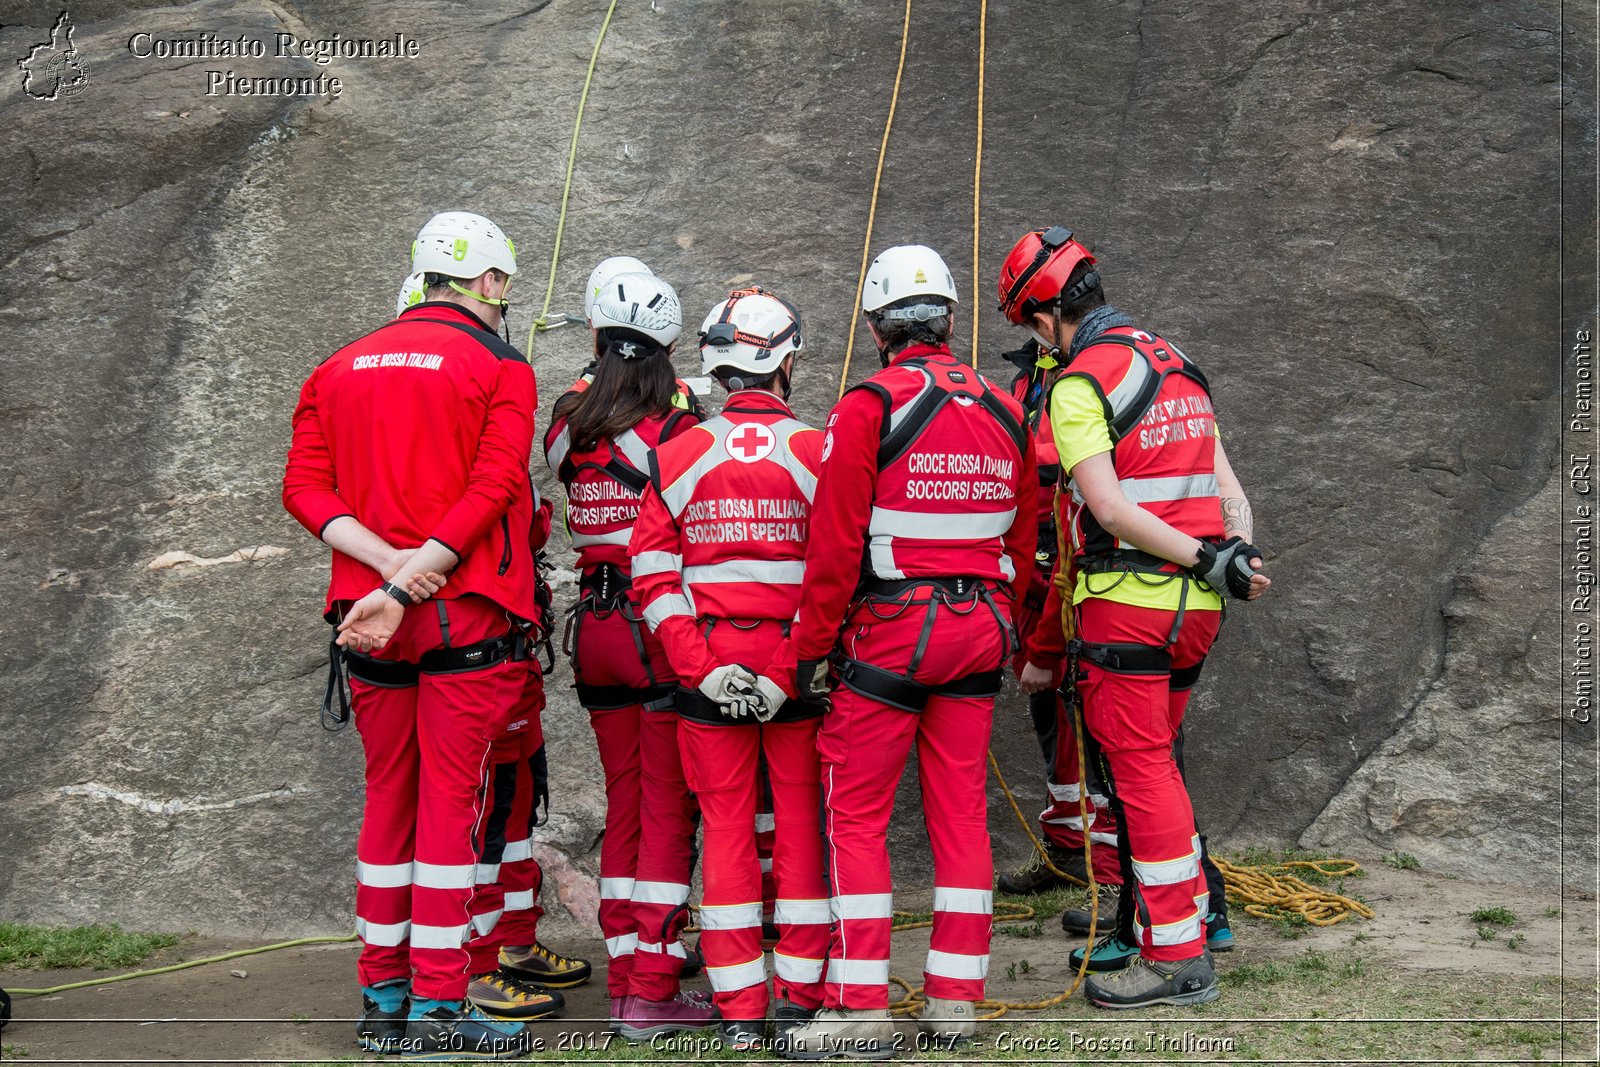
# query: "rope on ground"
x,y
872,210
543,321
184,965
1269,891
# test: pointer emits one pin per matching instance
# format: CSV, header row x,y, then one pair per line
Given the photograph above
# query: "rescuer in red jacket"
x,y
410,459
599,446
718,556
924,526
1159,530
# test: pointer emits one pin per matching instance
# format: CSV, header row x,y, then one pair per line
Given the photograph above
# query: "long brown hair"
x,y
626,390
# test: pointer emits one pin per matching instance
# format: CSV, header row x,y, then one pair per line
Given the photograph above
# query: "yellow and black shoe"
x,y
541,968
503,996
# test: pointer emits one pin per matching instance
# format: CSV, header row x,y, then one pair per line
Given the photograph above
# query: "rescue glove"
x,y
733,688
772,697
1226,567
811,679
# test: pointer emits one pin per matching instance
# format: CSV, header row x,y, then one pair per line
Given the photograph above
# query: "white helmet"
x,y
459,244
904,271
751,331
638,303
609,268
414,290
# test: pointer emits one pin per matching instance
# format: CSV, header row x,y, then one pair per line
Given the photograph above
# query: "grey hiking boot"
x,y
1145,982
1036,877
852,1033
948,1021
786,1015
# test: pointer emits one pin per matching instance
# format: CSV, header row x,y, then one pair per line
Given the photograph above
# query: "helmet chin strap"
x,y
503,303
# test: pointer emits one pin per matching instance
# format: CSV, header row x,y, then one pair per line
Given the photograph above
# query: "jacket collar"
x,y
447,309
756,402
920,351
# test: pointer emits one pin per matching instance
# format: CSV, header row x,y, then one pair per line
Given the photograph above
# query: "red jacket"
x,y
723,530
959,498
604,483
422,429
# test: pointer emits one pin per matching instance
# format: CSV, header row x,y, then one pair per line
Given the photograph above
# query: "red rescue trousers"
x,y
864,744
723,764
1062,820
509,877
1135,717
428,751
644,878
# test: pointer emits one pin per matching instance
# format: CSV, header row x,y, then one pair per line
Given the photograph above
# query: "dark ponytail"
x,y
633,380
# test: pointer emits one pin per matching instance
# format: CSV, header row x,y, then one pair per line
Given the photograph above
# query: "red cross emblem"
x,y
751,442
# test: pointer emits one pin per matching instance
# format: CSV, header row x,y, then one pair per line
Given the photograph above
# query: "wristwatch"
x,y
398,593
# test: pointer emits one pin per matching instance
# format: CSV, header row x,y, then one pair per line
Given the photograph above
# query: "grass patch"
x,y
59,948
1402,861
1054,901
12,1052
1034,929
1494,916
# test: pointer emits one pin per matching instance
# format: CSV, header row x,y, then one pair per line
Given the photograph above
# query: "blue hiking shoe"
x,y
383,1016
1219,936
1110,953
458,1030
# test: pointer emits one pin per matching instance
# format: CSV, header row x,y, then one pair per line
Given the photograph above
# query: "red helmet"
x,y
1037,270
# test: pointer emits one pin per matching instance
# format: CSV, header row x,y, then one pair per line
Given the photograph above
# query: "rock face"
x,y
1347,213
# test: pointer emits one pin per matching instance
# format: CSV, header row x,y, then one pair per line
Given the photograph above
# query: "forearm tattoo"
x,y
1237,520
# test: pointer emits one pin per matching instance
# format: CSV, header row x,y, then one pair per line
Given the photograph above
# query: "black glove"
x,y
1226,567
811,679
543,597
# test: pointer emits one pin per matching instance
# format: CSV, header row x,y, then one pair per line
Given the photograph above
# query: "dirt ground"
x,y
1421,981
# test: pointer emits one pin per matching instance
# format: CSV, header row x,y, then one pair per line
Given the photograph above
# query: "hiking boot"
x,y
948,1021
1146,982
786,1015
694,962
1075,921
383,1015
502,996
1036,877
456,1030
743,1035
1110,953
538,966
857,1033
639,1019
1219,935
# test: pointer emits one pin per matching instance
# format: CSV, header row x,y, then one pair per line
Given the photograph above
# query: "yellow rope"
x,y
1268,891
183,966
542,322
872,210
977,172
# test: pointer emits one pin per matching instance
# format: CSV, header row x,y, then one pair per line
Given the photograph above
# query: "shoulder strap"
x,y
496,345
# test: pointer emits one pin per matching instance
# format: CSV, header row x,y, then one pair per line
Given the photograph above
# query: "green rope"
x,y
184,966
541,322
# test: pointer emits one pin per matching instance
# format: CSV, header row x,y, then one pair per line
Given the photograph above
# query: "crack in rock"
x,y
176,806
168,560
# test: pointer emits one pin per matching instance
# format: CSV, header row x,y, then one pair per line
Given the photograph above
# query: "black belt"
x,y
898,691
895,588
693,704
611,697
1128,559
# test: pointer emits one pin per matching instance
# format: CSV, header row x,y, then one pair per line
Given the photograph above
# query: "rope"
x,y
543,321
1269,892
872,210
184,966
977,173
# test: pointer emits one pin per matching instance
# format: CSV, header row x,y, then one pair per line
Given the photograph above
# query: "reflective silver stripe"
x,y
957,964
1139,372
517,851
1008,570
519,901
622,945
940,526
801,912
1068,793
898,415
882,555
672,893
966,901
765,822
1103,839
656,563
797,968
445,876
766,864
665,607
615,537
863,906
440,936
483,925
486,873
730,916
768,572
674,949
633,448
737,976
387,935
804,480
1183,487
677,495
1179,933
616,889
556,454
1170,872
858,972
383,875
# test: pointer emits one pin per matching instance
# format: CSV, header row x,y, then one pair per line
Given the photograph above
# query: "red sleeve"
x,y
543,519
1048,642
839,518
806,445
657,563
309,492
1022,540
500,468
